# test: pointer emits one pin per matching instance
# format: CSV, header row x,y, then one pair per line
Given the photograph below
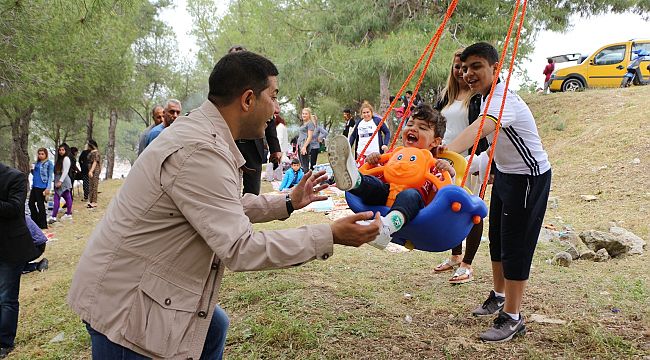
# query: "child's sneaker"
x,y
342,162
385,232
66,217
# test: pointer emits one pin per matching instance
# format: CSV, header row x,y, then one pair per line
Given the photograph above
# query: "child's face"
x,y
478,73
417,133
295,167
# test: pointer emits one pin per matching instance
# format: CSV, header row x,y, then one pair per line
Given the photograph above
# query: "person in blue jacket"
x,y
293,176
364,129
42,182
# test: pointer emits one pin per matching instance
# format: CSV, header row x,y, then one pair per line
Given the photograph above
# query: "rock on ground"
x,y
563,258
601,255
617,242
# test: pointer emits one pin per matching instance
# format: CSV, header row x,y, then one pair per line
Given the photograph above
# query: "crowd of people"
x,y
163,249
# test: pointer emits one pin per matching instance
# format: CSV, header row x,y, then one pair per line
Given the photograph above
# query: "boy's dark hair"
x,y
483,50
550,61
347,111
295,161
237,72
236,48
409,92
433,118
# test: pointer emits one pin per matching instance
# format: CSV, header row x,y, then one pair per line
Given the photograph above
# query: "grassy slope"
x,y
353,306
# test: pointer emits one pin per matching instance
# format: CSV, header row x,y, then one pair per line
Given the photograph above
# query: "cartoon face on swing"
x,y
408,166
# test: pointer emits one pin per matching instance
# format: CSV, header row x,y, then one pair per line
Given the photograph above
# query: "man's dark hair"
x,y
483,50
153,109
74,151
237,72
409,92
347,111
433,118
550,61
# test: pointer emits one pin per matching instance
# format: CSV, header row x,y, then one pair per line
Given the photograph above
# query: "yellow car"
x,y
604,68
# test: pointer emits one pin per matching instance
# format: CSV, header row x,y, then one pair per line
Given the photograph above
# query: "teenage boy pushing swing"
x,y
519,195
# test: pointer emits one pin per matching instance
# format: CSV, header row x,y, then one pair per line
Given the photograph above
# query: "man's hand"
x,y
306,191
384,148
58,184
46,192
275,157
373,159
347,232
90,174
303,151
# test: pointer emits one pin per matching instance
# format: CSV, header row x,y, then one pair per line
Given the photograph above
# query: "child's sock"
x,y
395,220
358,180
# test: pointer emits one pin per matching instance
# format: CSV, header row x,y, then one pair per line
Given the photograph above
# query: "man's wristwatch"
x,y
289,204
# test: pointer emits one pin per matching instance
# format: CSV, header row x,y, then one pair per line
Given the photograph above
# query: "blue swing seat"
x,y
437,227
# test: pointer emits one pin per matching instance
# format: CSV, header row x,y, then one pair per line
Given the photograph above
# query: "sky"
x,y
585,36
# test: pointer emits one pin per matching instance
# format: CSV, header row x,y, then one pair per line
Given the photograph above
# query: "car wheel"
x,y
572,84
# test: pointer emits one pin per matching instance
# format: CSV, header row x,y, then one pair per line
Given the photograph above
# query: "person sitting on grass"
x,y
425,130
293,176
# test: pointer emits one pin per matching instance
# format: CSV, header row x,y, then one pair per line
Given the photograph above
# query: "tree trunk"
x,y
20,139
89,125
301,105
110,148
384,96
57,138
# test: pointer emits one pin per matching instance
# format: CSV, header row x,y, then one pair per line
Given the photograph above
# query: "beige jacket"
x,y
150,274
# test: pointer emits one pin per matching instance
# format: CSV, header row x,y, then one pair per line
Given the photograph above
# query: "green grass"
x,y
352,306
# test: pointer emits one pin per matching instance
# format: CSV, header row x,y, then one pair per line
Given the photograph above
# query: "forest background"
x,y
78,69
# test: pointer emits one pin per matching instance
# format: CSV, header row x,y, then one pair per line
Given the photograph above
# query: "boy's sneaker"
x,y
43,265
51,220
384,237
66,217
504,328
343,163
4,351
492,305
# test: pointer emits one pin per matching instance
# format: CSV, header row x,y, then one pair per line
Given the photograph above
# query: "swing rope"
x,y
503,101
433,43
489,99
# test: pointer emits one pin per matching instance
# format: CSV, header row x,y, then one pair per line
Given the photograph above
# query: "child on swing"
x,y
425,130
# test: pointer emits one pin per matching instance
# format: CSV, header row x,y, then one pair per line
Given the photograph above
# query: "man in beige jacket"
x,y
147,283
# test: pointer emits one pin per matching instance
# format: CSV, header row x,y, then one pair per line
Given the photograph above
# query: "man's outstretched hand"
x,y
306,191
347,232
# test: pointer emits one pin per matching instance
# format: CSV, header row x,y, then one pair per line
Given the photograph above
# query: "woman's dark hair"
x,y
93,144
58,167
237,72
482,50
279,120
